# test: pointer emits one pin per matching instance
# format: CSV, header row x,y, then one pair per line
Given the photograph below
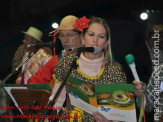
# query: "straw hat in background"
x,y
34,32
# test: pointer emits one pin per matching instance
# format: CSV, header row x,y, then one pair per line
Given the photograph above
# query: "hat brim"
x,y
65,28
31,36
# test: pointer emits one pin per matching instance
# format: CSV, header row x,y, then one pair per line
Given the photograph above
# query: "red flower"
x,y
81,23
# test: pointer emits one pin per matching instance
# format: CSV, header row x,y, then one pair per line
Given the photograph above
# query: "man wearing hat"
x,y
29,68
70,37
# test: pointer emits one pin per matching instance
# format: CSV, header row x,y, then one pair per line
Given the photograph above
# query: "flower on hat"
x,y
81,23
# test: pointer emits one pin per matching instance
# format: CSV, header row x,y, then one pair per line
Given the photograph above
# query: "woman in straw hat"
x,y
29,68
70,37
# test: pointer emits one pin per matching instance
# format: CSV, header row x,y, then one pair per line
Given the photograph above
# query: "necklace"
x,y
89,77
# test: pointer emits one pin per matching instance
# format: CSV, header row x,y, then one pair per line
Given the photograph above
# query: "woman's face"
x,y
95,36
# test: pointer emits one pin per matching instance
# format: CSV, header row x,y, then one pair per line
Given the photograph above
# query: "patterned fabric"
x,y
154,95
111,74
44,74
30,67
34,63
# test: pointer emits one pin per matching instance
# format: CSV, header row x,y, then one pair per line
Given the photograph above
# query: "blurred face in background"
x,y
29,40
70,39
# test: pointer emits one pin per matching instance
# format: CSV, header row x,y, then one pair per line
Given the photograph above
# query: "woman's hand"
x,y
139,88
100,118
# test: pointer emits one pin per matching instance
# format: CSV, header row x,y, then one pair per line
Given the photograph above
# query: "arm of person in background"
x,y
153,89
152,95
44,74
148,92
18,56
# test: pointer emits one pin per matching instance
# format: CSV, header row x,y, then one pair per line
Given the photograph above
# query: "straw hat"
x,y
67,23
34,32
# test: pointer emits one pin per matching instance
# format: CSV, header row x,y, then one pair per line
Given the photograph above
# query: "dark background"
x,y
122,16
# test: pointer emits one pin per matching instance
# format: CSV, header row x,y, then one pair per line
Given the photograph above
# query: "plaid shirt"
x,y
155,85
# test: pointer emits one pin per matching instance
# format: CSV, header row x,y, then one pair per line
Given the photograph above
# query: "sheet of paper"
x,y
82,105
114,101
117,114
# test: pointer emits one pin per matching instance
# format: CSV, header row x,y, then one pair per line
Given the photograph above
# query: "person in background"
x,y
144,50
153,93
29,68
155,44
70,37
148,53
93,68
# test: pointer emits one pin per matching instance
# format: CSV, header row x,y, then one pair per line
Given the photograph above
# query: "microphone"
x,y
130,61
94,49
50,44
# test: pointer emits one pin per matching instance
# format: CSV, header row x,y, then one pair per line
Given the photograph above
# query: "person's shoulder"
x,y
20,49
114,64
72,56
48,50
67,57
21,46
41,50
44,52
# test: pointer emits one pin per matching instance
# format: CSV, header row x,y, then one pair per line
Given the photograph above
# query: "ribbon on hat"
x,y
54,40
